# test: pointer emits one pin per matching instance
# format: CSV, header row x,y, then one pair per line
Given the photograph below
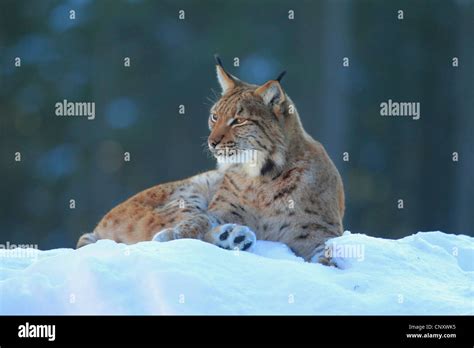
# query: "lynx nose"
x,y
215,141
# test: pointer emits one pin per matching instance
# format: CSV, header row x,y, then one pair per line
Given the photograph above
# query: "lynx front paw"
x,y
233,236
164,235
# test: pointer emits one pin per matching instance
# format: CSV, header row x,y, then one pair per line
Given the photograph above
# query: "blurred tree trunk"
x,y
463,208
336,37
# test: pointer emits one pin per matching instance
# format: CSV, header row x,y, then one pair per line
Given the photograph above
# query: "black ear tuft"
x,y
283,73
218,60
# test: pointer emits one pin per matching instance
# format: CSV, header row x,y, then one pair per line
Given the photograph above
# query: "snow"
x,y
426,273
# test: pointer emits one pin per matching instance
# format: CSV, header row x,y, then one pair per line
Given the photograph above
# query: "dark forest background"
x,y
172,64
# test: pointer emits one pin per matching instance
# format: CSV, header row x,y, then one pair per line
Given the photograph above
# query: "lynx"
x,y
290,191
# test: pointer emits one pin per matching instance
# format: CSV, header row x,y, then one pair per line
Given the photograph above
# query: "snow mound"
x,y
426,273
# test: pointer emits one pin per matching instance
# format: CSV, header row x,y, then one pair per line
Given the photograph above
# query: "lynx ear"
x,y
271,93
226,80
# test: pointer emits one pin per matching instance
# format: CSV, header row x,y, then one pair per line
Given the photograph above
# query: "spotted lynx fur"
x,y
290,192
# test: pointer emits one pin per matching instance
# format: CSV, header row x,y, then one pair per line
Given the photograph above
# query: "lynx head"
x,y
249,124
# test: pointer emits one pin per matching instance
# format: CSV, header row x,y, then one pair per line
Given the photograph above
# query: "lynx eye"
x,y
213,118
238,121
